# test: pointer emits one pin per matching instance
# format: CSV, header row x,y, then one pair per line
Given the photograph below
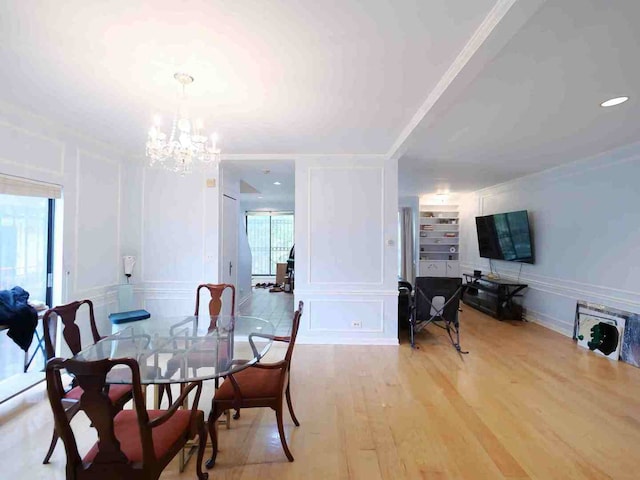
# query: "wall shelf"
x,y
438,234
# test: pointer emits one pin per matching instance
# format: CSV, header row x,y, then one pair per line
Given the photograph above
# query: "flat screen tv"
x,y
505,236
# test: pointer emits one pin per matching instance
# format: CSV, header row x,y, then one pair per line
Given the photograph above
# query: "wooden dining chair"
x,y
260,385
199,360
132,444
118,394
216,290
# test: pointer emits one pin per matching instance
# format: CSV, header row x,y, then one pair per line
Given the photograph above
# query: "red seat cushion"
x,y
254,382
164,436
116,392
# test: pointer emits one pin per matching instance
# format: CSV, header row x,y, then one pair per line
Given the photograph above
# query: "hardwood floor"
x,y
525,403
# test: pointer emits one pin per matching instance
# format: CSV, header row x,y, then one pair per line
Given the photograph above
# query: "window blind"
x,y
10,185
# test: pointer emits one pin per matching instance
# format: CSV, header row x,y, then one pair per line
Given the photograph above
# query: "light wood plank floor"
x,y
525,403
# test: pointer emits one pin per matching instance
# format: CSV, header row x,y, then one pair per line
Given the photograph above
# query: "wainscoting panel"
x,y
345,225
97,222
352,318
341,315
173,227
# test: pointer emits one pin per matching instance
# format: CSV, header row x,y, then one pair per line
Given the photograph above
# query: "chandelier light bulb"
x,y
157,120
199,124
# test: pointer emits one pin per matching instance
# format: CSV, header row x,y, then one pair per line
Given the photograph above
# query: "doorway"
x,y
264,232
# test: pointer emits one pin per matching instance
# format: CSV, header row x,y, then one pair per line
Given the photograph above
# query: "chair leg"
x,y
228,418
212,424
52,447
290,405
162,388
283,439
202,444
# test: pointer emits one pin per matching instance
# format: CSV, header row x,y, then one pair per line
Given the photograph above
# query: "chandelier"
x,y
185,145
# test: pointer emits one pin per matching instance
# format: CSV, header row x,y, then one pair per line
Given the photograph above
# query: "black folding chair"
x,y
437,301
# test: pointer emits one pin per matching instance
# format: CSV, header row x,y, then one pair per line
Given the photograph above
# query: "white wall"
x,y
91,175
585,218
346,212
172,226
114,206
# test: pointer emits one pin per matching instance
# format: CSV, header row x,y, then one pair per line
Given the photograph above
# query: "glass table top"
x,y
183,349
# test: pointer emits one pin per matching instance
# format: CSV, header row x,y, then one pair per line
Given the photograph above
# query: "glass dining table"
x,y
179,349
183,349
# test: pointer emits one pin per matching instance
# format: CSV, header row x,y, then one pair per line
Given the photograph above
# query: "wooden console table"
x,y
493,296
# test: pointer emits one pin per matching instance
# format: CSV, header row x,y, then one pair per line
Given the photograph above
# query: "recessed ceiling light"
x,y
277,183
259,197
614,101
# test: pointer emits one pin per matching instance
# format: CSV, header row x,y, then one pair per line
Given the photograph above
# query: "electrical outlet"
x,y
356,324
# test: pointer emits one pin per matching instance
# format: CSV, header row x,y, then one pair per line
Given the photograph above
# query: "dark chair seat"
x,y
253,383
165,436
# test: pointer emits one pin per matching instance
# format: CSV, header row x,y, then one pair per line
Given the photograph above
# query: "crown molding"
x,y
63,128
608,158
287,156
493,18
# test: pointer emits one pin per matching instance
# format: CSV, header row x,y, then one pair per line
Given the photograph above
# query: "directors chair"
x,y
437,301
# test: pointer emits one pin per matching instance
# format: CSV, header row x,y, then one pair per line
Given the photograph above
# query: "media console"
x,y
493,296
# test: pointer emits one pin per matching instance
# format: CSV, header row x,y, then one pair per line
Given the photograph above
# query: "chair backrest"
x,y
109,461
215,304
70,330
294,332
430,288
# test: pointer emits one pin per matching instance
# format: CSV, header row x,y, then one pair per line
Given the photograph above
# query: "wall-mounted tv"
x,y
505,236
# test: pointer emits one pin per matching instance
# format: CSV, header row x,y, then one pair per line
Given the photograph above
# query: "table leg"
x,y
156,396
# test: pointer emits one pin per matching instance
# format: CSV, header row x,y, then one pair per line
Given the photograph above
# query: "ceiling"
x,y
261,175
272,77
465,93
536,104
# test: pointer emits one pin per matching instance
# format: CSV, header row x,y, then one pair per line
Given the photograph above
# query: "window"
x,y
26,260
271,237
25,256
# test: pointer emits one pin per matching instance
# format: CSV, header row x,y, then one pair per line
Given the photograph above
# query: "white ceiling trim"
x,y
577,166
481,34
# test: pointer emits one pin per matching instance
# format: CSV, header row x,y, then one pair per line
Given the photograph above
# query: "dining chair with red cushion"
x,y
132,444
259,385
118,394
197,359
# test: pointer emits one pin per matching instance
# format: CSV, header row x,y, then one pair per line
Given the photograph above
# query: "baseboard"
x,y
555,324
346,341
